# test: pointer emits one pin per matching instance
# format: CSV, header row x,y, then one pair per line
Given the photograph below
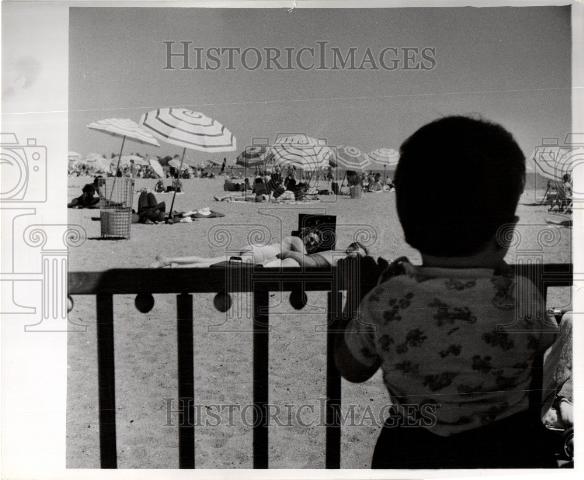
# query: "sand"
x,y
146,379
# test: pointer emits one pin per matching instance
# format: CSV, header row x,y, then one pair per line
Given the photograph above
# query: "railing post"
x,y
106,381
333,384
186,381
261,346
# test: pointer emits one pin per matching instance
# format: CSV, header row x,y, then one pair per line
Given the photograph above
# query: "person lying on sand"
x,y
292,252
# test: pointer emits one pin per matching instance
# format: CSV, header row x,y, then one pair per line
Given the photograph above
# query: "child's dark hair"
x,y
458,180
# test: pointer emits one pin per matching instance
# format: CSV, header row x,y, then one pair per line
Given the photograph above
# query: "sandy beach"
x,y
146,343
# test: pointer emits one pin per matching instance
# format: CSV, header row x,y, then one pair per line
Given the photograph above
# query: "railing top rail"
x,y
245,279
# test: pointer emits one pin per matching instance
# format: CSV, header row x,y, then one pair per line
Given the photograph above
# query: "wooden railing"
x,y
223,281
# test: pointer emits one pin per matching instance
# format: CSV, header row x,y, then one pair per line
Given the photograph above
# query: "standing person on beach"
x,y
456,338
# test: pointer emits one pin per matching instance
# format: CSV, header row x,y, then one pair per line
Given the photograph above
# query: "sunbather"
x,y
292,252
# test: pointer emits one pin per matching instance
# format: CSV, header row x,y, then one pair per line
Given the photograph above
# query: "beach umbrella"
x,y
96,162
155,164
384,157
124,128
188,129
74,157
177,164
298,139
347,157
553,161
309,158
252,156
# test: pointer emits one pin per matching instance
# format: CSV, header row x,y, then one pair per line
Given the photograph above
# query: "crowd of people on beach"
x,y
138,167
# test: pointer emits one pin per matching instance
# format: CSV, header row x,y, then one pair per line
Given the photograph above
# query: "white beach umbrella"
x,y
188,129
385,157
303,157
124,128
347,157
298,139
155,164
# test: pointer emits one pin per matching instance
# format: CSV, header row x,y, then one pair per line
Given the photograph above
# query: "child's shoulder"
x,y
501,285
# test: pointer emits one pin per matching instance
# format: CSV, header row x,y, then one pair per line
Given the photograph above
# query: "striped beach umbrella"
x,y
384,157
252,156
189,130
350,158
308,158
125,128
297,139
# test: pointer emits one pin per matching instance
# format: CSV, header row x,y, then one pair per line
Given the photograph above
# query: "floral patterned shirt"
x,y
461,339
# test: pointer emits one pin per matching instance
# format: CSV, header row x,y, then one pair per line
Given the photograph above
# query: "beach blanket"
x,y
205,212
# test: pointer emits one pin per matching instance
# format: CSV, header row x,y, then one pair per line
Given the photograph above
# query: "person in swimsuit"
x,y
291,252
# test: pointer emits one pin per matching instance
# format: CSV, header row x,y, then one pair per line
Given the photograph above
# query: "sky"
x,y
509,65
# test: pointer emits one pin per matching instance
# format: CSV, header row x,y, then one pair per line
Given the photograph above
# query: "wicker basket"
x,y
116,222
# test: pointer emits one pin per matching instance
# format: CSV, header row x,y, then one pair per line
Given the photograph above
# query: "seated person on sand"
x,y
260,190
87,199
291,252
231,186
377,184
149,210
290,182
159,187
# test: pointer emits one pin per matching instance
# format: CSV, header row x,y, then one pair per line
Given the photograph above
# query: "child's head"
x,y
457,182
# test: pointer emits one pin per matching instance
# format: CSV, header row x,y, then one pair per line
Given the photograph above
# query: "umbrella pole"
x,y
174,192
117,168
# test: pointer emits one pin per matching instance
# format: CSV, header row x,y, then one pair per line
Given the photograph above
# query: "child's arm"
x,y
355,352
350,368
